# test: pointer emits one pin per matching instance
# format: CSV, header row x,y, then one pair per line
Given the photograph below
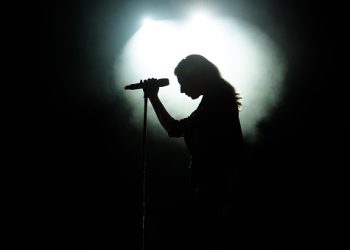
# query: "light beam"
x,y
249,59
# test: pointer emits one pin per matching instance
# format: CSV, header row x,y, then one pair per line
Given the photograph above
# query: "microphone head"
x,y
157,82
128,87
163,82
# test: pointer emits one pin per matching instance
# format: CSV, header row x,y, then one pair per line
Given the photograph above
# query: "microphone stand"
x,y
144,160
144,171
159,83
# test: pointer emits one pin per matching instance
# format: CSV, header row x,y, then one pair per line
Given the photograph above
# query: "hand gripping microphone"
x,y
158,82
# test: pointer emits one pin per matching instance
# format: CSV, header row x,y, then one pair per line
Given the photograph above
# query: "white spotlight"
x,y
146,21
245,56
200,17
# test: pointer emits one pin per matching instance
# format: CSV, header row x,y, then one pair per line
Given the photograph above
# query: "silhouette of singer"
x,y
213,136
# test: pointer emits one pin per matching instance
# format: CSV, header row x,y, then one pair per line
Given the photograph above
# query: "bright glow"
x,y
246,57
146,21
200,18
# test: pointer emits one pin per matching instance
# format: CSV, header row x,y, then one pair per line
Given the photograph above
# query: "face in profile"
x,y
189,86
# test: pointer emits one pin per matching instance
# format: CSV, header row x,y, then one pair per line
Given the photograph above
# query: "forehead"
x,y
184,78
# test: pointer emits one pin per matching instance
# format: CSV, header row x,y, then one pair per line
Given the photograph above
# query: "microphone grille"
x,y
163,82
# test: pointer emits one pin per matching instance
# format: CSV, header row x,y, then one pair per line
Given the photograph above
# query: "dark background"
x,y
75,162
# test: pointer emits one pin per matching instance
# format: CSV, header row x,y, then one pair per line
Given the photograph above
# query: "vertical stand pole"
x,y
144,172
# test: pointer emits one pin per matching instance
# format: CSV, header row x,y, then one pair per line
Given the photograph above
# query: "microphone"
x,y
157,82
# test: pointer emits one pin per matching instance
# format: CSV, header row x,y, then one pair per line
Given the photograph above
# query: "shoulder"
x,y
220,97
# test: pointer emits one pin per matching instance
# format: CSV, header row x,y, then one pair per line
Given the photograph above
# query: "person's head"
x,y
195,73
197,76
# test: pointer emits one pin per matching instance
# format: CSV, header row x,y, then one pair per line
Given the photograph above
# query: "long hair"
x,y
203,69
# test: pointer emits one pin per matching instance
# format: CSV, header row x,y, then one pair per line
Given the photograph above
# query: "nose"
x,y
181,89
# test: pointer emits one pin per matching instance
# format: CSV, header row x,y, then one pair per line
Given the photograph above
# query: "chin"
x,y
193,97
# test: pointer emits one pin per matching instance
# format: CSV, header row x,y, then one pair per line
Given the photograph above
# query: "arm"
x,y
151,92
162,114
